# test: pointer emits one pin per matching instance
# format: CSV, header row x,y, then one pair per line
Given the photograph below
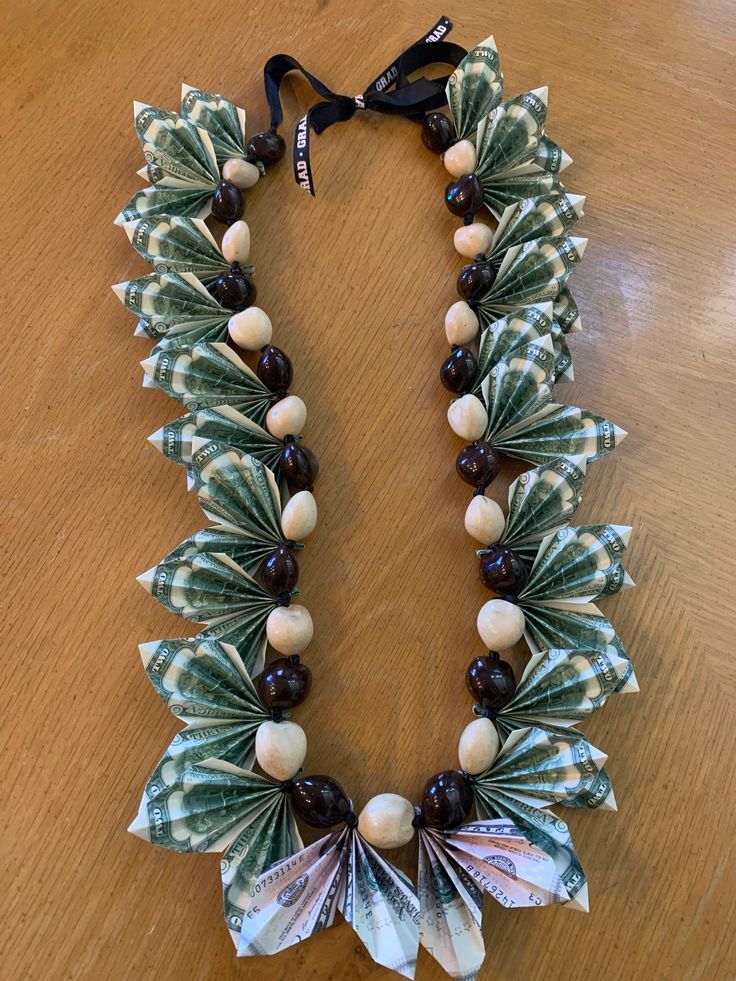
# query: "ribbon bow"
x,y
391,93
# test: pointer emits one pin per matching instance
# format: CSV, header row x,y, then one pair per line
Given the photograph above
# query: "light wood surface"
x,y
357,282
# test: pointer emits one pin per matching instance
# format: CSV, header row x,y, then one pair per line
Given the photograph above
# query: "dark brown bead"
x,y
458,371
477,463
299,467
227,203
464,196
274,369
447,800
285,683
268,147
235,290
280,571
319,801
437,132
491,682
503,571
476,279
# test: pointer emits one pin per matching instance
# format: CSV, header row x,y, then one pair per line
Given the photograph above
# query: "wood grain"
x,y
356,282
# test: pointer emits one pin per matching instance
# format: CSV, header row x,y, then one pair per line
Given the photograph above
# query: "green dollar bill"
x,y
172,243
174,306
510,135
549,767
542,501
545,216
223,121
551,157
206,588
582,563
475,88
222,424
517,388
170,136
270,836
531,273
515,330
208,375
195,202
560,688
206,685
206,810
560,430
575,625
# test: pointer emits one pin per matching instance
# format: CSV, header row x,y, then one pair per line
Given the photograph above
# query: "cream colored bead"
x,y
280,749
288,415
236,242
385,821
250,329
240,173
289,629
461,323
461,158
299,518
479,746
473,240
484,520
500,624
468,417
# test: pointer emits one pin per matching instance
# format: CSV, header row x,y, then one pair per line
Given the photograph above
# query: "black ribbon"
x,y
391,93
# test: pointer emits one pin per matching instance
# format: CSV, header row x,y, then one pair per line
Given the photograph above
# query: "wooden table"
x,y
357,282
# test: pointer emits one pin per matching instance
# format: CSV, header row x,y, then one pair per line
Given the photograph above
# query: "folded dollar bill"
x,y
515,157
523,419
457,867
184,152
340,872
172,243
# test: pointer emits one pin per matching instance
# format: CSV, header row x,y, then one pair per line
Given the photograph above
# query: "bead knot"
x,y
418,820
351,820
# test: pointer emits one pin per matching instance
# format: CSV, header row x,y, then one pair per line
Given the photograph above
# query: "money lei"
x,y
203,794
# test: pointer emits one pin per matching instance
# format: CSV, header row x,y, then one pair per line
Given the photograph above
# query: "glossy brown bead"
x,y
477,463
285,683
268,147
464,196
491,682
274,369
447,800
458,371
227,203
235,290
319,801
503,571
280,571
476,279
437,132
299,467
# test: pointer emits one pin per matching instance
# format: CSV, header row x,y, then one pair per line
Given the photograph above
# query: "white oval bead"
x,y
299,517
479,746
240,173
461,323
500,624
280,748
250,329
473,240
385,821
288,415
468,417
236,242
289,629
461,158
484,520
